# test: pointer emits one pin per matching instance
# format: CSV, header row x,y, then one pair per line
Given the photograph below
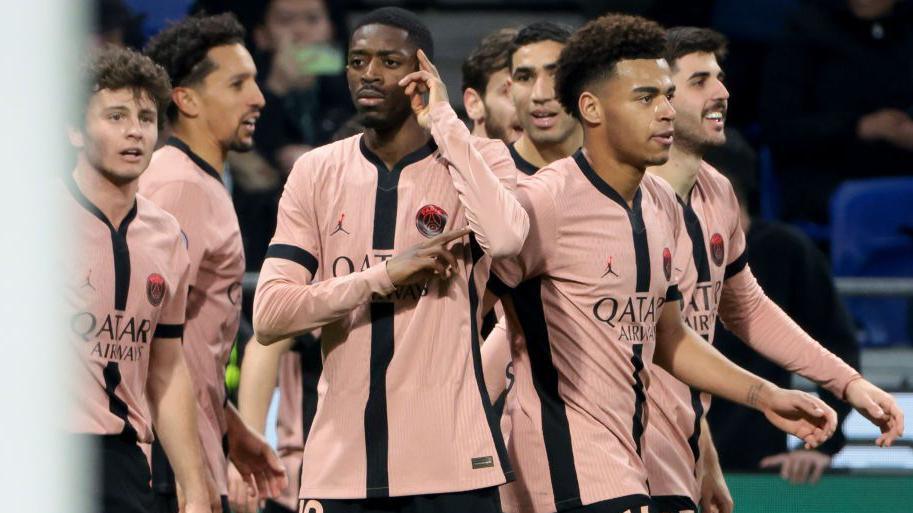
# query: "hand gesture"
x,y
425,80
426,260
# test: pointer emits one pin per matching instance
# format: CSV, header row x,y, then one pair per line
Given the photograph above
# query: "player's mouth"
x,y
250,123
369,97
132,155
544,119
716,118
664,138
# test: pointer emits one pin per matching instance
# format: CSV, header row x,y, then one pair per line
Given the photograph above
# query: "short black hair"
x,y
419,34
487,58
182,48
114,68
536,32
592,52
681,41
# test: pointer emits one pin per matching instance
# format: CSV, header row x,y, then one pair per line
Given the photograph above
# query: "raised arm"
x,y
685,355
483,176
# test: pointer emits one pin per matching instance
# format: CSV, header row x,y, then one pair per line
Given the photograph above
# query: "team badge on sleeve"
x,y
430,220
155,289
667,263
716,249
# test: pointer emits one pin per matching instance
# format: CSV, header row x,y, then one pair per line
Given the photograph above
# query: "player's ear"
x,y
475,109
75,136
590,108
186,100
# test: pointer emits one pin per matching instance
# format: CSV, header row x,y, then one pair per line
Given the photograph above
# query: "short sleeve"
x,y
737,258
171,319
189,204
297,238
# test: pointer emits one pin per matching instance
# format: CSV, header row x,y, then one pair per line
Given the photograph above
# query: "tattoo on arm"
x,y
754,393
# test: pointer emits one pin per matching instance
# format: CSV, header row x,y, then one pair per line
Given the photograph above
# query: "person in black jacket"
x,y
795,275
837,99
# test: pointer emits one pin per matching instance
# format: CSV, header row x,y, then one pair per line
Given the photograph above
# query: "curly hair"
x,y
115,68
182,48
487,58
681,41
592,52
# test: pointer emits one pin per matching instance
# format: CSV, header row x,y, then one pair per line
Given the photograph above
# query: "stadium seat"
x,y
872,235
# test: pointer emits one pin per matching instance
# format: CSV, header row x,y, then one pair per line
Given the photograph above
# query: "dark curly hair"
x,y
182,48
115,68
680,41
487,58
537,32
592,52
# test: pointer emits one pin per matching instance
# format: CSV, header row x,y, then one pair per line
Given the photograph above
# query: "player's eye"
x,y
646,100
356,62
147,119
669,96
700,83
522,77
237,84
116,116
390,63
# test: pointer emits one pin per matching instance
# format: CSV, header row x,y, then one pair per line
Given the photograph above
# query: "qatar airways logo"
x,y
115,337
702,307
344,265
634,316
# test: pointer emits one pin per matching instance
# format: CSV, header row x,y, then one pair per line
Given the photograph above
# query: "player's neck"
x,y
621,176
541,155
113,199
680,170
394,144
201,142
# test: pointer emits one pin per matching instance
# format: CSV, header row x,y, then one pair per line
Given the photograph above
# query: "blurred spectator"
x,y
795,275
115,23
300,54
837,99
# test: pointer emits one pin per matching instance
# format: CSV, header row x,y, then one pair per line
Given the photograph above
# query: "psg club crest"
x,y
155,289
716,249
430,220
667,263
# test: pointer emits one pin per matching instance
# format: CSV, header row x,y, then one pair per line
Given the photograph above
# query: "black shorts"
x,y
674,504
122,475
485,500
275,507
626,504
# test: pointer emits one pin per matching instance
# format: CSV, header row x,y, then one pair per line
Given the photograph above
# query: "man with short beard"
x,y
214,107
677,437
486,88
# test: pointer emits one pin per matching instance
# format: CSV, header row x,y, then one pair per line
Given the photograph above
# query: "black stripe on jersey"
x,y
116,405
386,195
698,249
496,285
673,503
376,429
168,331
625,504
295,254
736,266
640,397
494,420
198,160
673,294
556,430
118,243
522,164
702,265
311,361
635,216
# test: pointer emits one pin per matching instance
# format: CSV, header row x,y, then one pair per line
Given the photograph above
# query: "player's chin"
x,y
242,144
657,158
